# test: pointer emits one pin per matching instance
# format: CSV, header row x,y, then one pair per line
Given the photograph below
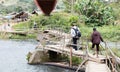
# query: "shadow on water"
x,y
13,57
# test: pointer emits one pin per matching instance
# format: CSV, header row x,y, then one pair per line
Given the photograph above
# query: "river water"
x,y
13,57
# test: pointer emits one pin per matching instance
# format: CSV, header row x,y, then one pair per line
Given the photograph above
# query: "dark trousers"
x,y
75,43
97,46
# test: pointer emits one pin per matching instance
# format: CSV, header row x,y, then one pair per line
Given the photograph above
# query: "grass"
x,y
16,36
115,6
28,36
22,25
109,33
116,51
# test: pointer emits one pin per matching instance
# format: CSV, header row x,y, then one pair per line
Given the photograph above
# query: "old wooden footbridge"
x,y
104,63
107,62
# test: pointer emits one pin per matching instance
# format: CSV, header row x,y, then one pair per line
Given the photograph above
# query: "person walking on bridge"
x,y
95,39
75,33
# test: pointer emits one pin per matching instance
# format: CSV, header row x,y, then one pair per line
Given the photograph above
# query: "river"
x,y
13,57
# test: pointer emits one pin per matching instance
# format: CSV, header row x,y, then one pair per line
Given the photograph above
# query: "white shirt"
x,y
73,34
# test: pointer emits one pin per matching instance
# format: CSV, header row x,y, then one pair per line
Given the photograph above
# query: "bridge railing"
x,y
113,65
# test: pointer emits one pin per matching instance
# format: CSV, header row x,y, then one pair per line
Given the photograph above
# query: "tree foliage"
x,y
20,5
94,12
67,4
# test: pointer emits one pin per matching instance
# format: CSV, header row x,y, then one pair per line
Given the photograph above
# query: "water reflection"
x,y
13,57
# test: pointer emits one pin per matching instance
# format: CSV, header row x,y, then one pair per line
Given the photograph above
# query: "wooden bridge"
x,y
104,63
92,64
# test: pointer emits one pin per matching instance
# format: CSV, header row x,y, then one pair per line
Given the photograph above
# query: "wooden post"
x,y
70,56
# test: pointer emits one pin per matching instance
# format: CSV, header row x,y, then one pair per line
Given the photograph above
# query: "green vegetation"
x,y
63,21
59,20
76,60
93,13
116,51
17,36
16,6
8,6
108,32
116,9
87,14
28,36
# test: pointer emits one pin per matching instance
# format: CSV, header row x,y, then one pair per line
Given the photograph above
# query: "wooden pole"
x,y
70,56
81,65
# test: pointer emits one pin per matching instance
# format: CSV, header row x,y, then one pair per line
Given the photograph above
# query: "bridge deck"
x,y
96,67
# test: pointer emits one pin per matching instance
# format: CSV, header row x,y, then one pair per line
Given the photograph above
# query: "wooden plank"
x,y
96,67
100,59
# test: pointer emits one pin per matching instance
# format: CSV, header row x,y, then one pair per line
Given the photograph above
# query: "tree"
x,y
69,5
94,12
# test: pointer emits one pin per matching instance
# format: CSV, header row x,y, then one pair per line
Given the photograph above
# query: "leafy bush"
x,y
67,4
116,9
76,60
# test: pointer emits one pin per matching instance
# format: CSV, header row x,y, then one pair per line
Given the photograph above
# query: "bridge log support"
x,y
37,56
